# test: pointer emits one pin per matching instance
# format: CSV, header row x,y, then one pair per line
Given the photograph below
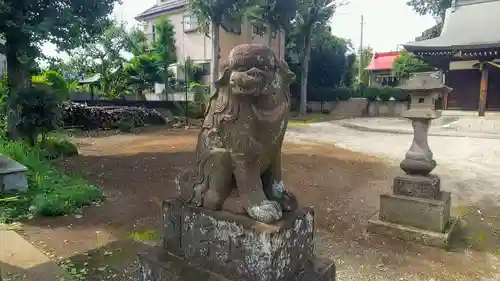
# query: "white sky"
x,y
388,23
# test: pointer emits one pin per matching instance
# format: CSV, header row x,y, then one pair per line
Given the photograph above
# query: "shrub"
x,y
56,147
401,95
407,63
125,125
50,192
386,93
39,110
371,93
343,93
55,81
4,93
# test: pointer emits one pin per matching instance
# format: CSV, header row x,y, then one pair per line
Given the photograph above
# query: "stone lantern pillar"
x,y
417,210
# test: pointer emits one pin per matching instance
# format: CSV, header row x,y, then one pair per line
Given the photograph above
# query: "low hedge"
x,y
372,93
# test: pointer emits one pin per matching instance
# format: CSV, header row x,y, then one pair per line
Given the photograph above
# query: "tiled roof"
x,y
383,61
168,5
472,26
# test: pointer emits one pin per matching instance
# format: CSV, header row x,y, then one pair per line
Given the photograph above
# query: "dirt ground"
x,y
136,172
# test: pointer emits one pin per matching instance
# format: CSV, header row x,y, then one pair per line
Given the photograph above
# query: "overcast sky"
x,y
388,23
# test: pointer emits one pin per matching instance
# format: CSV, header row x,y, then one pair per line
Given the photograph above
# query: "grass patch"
x,y
50,192
145,236
309,118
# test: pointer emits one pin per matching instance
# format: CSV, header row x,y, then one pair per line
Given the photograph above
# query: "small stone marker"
x,y
418,210
12,176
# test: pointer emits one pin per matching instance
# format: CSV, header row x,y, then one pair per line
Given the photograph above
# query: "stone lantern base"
x,y
416,211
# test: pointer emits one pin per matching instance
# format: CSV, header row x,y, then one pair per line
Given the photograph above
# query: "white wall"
x,y
193,44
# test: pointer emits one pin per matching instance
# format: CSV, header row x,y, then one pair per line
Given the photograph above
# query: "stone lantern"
x,y
417,210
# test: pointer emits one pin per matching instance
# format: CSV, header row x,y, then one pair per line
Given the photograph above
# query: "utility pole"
x,y
360,70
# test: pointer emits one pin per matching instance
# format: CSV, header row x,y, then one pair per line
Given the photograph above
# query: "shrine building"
x,y
468,52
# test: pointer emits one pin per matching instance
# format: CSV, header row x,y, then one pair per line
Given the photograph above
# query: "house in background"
x,y
196,45
468,51
3,61
380,69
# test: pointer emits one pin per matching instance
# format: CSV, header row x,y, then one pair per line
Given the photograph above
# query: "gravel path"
x,y
469,167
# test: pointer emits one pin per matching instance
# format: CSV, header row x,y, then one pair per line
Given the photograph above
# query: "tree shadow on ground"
x,y
344,189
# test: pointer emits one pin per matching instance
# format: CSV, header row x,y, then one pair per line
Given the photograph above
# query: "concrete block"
x,y
427,214
158,265
12,176
417,186
238,247
414,234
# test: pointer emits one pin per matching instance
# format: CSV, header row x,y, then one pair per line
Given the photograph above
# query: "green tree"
x,y
55,81
26,24
138,42
331,65
106,58
407,63
142,72
164,46
276,14
366,58
311,14
436,8
217,14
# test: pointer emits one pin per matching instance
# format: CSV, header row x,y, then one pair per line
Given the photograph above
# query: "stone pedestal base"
x,y
413,234
414,218
159,265
237,247
428,214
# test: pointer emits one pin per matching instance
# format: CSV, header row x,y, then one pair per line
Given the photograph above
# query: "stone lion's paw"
x,y
266,212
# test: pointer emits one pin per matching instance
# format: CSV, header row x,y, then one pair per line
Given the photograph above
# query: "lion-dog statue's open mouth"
x,y
239,145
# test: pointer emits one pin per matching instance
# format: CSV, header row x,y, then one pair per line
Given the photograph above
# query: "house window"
x,y
258,29
206,68
153,28
190,23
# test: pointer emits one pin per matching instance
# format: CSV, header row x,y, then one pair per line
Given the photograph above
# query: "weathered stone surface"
x,y
426,214
171,232
12,176
418,186
158,265
239,247
418,160
414,234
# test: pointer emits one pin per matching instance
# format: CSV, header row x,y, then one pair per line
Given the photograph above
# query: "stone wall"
x,y
386,108
359,108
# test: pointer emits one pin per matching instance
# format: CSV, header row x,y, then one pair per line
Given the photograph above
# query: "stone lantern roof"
x,y
425,82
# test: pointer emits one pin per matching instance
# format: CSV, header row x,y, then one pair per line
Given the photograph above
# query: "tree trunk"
x,y
215,54
18,80
304,73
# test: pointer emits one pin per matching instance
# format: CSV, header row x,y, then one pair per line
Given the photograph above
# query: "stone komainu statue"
x,y
239,145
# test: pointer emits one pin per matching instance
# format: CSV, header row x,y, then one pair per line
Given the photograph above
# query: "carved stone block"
x,y
12,176
426,214
159,265
240,248
171,232
417,186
